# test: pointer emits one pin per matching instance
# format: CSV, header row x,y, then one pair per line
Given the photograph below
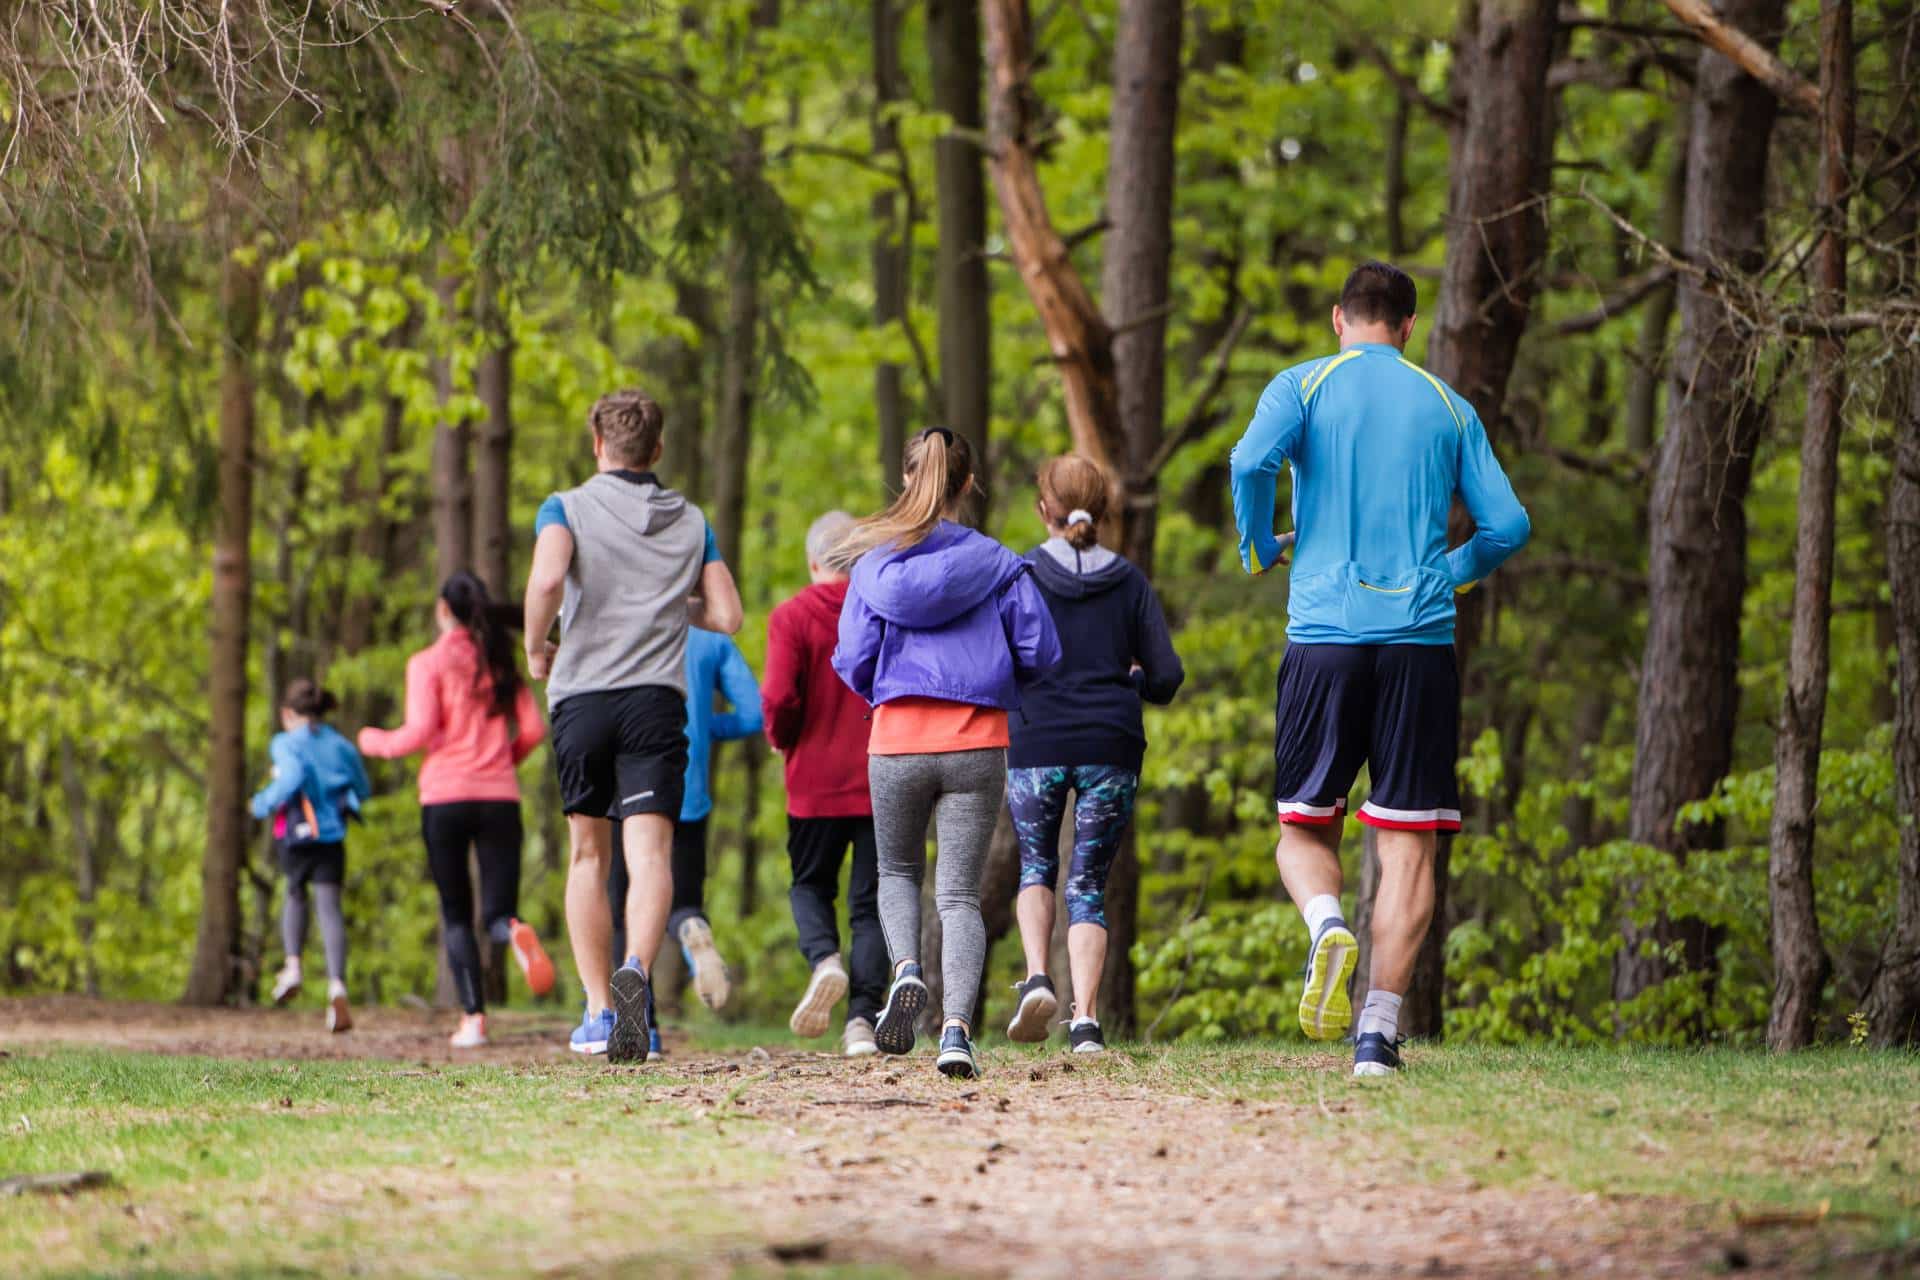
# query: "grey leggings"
x,y
960,793
333,925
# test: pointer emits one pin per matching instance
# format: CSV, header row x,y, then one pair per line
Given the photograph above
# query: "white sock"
x,y
1320,909
335,987
1381,1013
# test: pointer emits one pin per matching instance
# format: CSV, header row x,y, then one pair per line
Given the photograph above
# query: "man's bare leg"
x,y
1402,907
1309,860
589,919
648,838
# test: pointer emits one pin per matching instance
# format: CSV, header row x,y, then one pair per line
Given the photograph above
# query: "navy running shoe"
x,y
1375,1055
632,1010
1085,1036
654,1048
906,1001
956,1055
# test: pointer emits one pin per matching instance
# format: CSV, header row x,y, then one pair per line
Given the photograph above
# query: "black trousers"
x,y
491,828
689,882
815,848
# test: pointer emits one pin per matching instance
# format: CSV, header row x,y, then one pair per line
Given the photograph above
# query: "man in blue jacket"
x,y
1379,449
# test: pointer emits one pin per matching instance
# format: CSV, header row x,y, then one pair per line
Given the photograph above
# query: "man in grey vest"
x,y
625,565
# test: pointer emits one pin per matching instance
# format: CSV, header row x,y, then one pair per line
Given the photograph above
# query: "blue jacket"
x,y
955,617
714,664
1379,447
315,762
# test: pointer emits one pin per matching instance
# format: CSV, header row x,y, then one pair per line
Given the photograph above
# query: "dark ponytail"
x,y
308,699
486,624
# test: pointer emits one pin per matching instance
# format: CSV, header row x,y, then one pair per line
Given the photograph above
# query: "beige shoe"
x,y
338,1017
857,1040
710,981
814,1014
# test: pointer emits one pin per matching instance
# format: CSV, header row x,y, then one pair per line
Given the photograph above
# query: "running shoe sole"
x,y
287,997
631,1029
588,1046
1372,1070
813,1016
1037,1007
338,1017
905,1003
1091,1046
534,962
1325,1009
710,981
957,1064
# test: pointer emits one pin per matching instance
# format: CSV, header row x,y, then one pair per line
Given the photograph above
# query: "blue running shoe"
x,y
654,1048
906,1001
1325,1009
593,1032
956,1059
1375,1055
632,1009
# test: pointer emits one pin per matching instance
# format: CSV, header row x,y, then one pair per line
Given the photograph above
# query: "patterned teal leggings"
x,y
1103,805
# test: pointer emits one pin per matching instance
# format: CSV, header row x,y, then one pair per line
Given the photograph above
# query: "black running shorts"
x,y
621,752
1394,708
305,864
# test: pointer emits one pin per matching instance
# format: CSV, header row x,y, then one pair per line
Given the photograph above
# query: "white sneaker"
x,y
857,1040
710,980
287,984
472,1032
814,1014
339,1017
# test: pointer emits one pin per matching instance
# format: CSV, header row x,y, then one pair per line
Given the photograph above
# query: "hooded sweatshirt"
x,y
317,779
954,617
637,553
714,665
812,718
1087,710
471,751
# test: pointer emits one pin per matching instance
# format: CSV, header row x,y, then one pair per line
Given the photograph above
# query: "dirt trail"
x,y
1046,1167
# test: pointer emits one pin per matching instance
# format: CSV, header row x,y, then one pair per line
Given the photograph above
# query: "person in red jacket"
x,y
820,726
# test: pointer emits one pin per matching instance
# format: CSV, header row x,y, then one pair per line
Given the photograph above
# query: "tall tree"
x,y
961,291
1800,963
451,478
890,233
1697,552
493,451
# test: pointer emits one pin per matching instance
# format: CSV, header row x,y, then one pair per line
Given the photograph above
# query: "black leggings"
x,y
491,828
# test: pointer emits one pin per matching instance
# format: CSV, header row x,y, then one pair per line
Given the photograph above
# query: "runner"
x,y
941,629
821,728
625,565
1379,449
715,666
318,780
1079,729
476,720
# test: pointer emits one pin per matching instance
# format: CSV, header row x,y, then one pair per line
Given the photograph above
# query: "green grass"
x,y
226,1167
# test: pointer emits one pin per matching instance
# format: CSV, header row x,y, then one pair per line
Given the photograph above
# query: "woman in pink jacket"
x,y
475,718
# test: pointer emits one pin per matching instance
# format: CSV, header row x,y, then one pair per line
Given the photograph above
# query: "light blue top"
x,y
714,665
317,762
1379,447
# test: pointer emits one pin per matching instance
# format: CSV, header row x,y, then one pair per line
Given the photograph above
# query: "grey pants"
x,y
333,926
960,793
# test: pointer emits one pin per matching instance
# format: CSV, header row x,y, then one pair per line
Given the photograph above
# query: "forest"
x,y
306,302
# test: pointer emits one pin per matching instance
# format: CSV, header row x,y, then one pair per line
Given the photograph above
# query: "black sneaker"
x,y
1038,1004
906,1001
1085,1037
1375,1055
956,1055
632,1015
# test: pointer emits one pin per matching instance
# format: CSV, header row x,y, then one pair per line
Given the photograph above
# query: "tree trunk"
x,y
1697,554
212,979
493,460
1656,318
1800,963
86,861
961,291
890,232
452,481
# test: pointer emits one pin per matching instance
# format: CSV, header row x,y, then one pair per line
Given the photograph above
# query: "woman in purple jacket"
x,y
941,628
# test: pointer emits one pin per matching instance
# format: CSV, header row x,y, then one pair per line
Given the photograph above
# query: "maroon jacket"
x,y
818,723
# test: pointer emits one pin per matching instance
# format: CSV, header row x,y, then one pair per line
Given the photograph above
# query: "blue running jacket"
x,y
1379,447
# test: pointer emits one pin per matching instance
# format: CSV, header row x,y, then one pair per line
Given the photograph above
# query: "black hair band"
x,y
942,432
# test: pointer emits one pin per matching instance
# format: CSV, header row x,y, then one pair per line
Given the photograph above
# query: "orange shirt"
x,y
922,726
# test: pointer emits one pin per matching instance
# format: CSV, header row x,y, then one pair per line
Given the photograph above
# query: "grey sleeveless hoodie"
x,y
637,554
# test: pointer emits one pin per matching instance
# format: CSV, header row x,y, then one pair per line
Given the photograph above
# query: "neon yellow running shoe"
x,y
1326,1012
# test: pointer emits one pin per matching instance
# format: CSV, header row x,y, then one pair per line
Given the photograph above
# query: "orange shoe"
x,y
532,958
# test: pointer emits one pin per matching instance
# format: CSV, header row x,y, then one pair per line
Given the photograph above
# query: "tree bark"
x,y
493,460
890,232
1697,554
1800,963
213,977
452,480
961,291
1656,320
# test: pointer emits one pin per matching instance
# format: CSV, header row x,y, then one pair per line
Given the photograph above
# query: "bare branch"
x,y
1626,294
1749,55
1202,415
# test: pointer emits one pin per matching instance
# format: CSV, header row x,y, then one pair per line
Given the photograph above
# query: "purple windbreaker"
x,y
956,617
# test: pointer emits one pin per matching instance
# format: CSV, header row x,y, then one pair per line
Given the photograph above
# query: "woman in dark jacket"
x,y
1079,729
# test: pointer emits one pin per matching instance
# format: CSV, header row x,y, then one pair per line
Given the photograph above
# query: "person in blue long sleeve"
x,y
715,666
318,779
1379,449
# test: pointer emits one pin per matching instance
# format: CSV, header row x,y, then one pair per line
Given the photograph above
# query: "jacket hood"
x,y
634,498
822,601
937,580
1062,580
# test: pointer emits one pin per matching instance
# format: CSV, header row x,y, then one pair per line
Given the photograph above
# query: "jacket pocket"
x,y
1380,608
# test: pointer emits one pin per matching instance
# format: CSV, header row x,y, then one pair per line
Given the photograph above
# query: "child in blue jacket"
x,y
318,780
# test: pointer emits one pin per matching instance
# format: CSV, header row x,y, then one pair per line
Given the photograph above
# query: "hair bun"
x,y
1077,516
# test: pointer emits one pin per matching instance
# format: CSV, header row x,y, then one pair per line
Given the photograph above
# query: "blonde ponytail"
x,y
939,470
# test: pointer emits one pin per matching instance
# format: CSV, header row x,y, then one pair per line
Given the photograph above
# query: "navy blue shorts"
x,y
1392,707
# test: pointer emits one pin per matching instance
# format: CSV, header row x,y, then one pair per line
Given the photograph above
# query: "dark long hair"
x,y
486,623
